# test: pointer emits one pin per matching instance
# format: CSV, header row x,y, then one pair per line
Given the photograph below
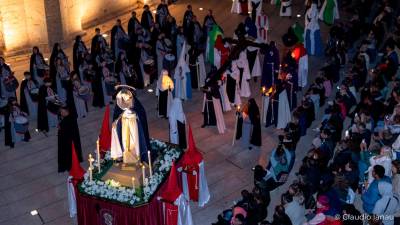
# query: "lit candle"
x,y
143,174
98,155
133,183
90,173
90,161
150,167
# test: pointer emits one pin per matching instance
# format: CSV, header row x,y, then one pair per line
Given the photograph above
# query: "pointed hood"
x,y
173,190
105,133
192,156
182,63
76,170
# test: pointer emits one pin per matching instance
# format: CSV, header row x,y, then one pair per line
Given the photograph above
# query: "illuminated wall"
x,y
26,23
95,11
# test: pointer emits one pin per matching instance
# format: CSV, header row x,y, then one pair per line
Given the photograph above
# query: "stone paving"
x,y
28,173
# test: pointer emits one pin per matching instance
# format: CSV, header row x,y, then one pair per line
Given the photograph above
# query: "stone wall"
x,y
28,23
96,12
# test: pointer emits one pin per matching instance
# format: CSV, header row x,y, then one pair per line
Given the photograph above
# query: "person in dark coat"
x,y
37,65
28,95
79,51
147,20
118,39
270,66
68,134
133,24
98,44
187,19
57,53
280,217
44,115
254,114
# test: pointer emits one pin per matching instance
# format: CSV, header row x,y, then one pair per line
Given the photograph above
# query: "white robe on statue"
x,y
176,114
181,71
118,150
284,115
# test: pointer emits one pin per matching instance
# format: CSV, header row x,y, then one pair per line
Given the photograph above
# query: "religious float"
x,y
138,180
111,193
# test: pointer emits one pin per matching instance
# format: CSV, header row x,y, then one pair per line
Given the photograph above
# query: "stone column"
x,y
54,21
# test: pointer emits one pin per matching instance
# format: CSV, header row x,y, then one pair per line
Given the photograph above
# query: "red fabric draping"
x,y
105,132
93,211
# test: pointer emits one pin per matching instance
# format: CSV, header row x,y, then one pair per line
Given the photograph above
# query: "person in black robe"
x,y
118,39
194,76
147,20
161,14
23,99
170,28
79,51
254,115
55,54
97,88
68,134
195,33
133,24
134,55
270,65
208,22
141,113
69,89
42,119
98,45
37,64
122,68
187,20
272,111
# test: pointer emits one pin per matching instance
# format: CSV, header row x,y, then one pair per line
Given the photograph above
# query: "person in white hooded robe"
x,y
183,89
241,69
312,35
177,124
165,85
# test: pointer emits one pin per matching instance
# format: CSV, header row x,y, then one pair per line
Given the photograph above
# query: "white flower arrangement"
x,y
112,190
